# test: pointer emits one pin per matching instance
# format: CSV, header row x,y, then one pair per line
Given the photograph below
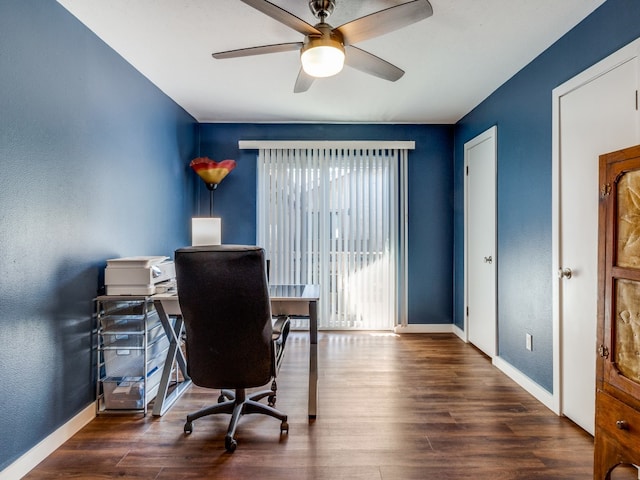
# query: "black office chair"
x,y
231,341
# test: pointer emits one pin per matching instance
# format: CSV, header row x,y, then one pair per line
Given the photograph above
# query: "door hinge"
x,y
603,351
467,311
636,99
467,170
605,190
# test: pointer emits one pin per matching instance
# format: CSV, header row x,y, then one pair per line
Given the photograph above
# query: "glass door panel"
x,y
628,249
627,329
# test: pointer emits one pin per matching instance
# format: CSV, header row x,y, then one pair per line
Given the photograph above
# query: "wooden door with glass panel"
x,y
617,437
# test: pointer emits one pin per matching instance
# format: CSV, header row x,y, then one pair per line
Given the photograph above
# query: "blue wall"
x,y
430,197
521,109
94,164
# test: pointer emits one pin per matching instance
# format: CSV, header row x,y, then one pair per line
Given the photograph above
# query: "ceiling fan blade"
x,y
303,82
385,21
368,63
262,50
282,16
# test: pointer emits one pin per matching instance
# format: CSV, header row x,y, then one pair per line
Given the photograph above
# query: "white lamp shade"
x,y
322,61
206,231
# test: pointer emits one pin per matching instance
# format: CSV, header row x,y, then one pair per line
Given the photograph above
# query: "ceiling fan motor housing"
x,y
329,38
322,8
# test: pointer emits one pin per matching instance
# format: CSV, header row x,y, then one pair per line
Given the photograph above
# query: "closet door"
x,y
480,241
597,116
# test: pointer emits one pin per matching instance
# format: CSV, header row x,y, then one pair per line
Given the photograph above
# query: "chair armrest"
x,y
280,326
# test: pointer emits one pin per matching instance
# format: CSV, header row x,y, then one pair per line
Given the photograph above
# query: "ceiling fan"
x,y
325,49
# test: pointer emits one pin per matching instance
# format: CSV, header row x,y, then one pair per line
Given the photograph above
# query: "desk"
x,y
291,300
301,301
164,400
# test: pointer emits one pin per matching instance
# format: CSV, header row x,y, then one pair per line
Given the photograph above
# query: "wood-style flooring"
x,y
391,407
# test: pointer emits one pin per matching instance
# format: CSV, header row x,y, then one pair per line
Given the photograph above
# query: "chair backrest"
x,y
224,299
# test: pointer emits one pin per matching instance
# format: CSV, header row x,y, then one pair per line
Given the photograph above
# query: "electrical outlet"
x,y
529,343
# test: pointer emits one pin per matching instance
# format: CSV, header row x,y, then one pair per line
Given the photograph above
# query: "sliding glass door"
x,y
330,217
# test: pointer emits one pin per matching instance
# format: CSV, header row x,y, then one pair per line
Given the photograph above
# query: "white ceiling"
x,y
453,60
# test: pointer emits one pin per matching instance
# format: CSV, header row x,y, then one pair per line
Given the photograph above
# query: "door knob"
x,y
564,273
488,259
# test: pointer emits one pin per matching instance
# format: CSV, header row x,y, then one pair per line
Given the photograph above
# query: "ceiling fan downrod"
x,y
321,9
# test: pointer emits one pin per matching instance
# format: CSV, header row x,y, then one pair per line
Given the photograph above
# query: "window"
x,y
331,216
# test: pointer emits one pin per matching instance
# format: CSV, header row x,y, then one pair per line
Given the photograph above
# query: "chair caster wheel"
x,y
284,427
188,427
230,444
271,400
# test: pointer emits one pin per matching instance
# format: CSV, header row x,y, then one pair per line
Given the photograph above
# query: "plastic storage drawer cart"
x,y
132,349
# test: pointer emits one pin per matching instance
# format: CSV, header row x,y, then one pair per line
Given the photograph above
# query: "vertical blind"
x,y
331,217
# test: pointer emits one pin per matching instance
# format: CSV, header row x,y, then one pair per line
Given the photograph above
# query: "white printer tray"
x,y
139,275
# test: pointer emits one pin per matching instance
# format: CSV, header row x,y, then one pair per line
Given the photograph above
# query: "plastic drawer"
x,y
125,357
125,307
128,393
128,323
131,338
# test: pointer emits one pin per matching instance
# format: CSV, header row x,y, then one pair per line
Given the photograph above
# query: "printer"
x,y
139,275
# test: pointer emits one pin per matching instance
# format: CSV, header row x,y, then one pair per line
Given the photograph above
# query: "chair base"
x,y
237,405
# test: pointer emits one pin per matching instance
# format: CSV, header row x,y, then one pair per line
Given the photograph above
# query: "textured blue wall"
x,y
94,165
430,197
521,109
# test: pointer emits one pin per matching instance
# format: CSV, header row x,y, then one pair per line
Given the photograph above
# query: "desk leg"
x,y
313,359
163,401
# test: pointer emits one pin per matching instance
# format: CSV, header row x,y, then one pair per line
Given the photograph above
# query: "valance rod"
x,y
326,144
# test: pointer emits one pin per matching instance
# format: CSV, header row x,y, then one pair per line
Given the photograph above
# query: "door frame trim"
x,y
604,66
491,132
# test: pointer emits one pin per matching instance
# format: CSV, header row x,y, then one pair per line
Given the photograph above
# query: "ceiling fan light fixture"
x,y
322,53
322,57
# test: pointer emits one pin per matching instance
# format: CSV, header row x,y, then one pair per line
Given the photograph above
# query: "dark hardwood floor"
x,y
390,407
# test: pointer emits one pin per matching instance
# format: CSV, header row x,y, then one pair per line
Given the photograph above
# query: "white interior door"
x,y
480,241
597,117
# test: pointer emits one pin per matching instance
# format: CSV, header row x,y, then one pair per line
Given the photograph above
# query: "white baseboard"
x,y
46,447
424,328
542,395
460,334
